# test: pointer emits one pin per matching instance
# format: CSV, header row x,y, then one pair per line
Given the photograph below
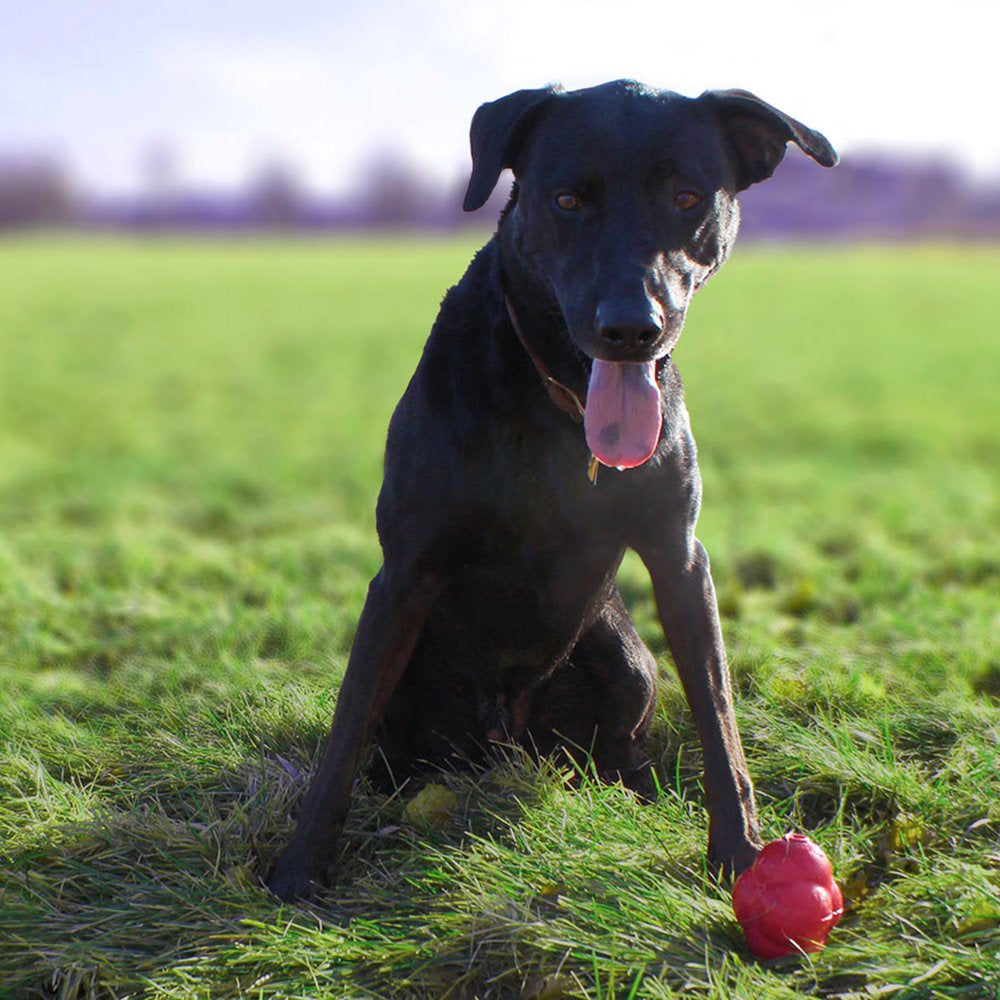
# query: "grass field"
x,y
190,448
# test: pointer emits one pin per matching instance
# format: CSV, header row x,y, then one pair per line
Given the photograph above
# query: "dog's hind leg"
x,y
389,629
601,701
431,721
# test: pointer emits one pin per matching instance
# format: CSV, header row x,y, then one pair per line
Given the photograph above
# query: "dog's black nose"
x,y
629,329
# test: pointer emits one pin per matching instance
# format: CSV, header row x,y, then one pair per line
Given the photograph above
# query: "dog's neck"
x,y
537,322
560,394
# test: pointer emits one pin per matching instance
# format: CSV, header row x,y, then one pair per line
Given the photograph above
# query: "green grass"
x,y
190,448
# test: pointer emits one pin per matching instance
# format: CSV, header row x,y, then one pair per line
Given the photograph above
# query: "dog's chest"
x,y
523,594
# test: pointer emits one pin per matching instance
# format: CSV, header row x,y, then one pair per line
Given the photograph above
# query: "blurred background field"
x,y
191,436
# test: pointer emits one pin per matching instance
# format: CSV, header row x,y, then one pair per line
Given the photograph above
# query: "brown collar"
x,y
561,395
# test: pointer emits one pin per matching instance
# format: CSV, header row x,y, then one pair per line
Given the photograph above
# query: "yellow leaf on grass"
x,y
432,807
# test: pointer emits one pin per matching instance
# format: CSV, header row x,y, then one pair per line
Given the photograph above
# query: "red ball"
x,y
787,901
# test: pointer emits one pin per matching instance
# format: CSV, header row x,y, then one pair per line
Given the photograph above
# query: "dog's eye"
x,y
568,202
686,199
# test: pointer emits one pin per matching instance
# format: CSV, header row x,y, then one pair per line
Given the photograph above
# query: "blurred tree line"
x,y
870,195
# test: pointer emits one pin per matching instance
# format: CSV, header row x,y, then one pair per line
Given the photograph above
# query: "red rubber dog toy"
x,y
787,901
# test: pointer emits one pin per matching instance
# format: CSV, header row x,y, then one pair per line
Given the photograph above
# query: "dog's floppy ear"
x,y
498,128
757,133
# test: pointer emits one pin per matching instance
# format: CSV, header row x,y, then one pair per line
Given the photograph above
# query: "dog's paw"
x,y
293,879
642,781
733,858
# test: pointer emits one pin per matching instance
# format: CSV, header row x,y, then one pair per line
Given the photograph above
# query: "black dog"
x,y
495,617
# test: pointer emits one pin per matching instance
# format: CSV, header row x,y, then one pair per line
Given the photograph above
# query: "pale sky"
x,y
324,84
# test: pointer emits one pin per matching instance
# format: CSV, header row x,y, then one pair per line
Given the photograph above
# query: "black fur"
x,y
495,617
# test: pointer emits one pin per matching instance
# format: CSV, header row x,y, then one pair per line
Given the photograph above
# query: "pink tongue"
x,y
623,413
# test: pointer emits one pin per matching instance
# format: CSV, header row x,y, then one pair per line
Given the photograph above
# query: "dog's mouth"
x,y
624,412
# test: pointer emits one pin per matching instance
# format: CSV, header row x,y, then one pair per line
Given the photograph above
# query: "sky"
x,y
330,86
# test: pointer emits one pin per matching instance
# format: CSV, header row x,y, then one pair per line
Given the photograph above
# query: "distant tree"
x,y
34,191
158,166
276,198
393,193
158,171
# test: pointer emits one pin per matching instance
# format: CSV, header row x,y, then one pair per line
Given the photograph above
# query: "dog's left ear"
x,y
498,128
757,133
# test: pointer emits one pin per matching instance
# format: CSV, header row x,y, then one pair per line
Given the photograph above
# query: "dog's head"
x,y
624,205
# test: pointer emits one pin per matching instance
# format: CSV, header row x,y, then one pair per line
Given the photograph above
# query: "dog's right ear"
x,y
498,129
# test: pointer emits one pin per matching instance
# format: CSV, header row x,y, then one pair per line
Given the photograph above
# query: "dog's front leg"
x,y
685,599
388,630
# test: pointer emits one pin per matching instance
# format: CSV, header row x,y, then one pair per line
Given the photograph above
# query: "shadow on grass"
x,y
168,891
